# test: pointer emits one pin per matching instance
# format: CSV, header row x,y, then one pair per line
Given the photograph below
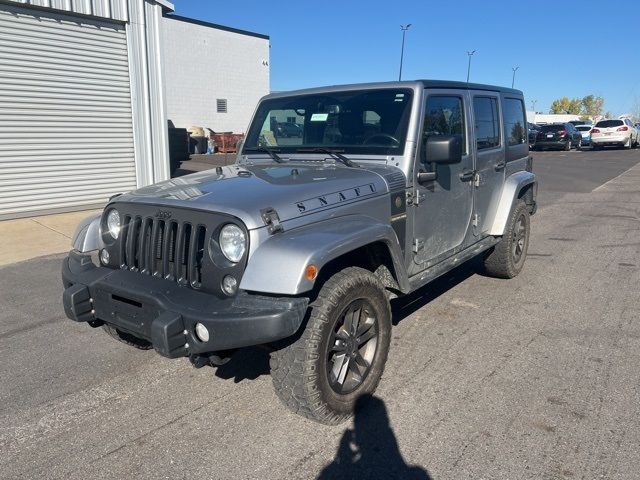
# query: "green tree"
x,y
564,105
592,106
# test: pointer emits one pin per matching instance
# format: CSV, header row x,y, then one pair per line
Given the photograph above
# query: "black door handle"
x,y
467,175
499,166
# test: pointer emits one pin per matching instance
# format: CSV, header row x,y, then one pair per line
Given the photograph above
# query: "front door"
x,y
444,205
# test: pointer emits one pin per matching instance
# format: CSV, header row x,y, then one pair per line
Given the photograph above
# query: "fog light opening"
x,y
229,285
202,333
104,256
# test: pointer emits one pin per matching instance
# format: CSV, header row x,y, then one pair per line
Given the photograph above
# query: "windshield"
x,y
350,122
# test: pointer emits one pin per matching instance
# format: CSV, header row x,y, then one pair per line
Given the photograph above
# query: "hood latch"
x,y
271,220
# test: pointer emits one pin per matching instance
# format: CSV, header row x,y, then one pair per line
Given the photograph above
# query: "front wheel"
x,y
340,353
507,257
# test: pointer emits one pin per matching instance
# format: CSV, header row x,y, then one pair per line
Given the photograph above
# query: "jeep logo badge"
x,y
163,214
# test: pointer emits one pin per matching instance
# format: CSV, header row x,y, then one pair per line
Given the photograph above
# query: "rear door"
x,y
490,157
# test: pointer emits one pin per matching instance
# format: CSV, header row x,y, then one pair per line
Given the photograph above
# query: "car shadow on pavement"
x,y
370,450
404,306
245,364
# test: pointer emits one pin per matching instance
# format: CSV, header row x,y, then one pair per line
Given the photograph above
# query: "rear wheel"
x,y
579,147
341,352
507,257
567,147
629,144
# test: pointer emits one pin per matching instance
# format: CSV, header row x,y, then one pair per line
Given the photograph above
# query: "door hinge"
x,y
476,179
475,220
415,197
418,244
271,220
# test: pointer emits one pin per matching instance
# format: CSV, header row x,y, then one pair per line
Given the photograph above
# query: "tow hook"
x,y
214,359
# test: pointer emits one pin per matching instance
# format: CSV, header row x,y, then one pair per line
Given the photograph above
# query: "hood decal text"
x,y
335,198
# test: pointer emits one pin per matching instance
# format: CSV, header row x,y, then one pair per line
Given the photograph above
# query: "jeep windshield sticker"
x,y
319,117
335,198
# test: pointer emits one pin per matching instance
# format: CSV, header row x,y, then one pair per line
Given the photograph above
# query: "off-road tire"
x,y
127,338
501,261
299,370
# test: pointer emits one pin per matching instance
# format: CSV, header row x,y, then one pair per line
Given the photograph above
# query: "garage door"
x,y
66,136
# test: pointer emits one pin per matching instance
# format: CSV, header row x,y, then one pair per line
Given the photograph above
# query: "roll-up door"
x,y
66,135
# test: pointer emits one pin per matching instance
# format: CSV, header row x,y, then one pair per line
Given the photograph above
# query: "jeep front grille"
x,y
167,249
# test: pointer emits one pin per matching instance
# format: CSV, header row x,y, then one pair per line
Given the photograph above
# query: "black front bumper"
x,y
165,314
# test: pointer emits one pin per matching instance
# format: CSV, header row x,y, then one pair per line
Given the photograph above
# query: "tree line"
x,y
591,106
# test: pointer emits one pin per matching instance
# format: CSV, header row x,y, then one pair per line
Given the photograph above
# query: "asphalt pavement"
x,y
535,377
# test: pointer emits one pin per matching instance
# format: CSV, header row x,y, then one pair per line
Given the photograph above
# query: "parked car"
x,y
306,261
533,130
575,123
585,131
288,129
614,133
562,136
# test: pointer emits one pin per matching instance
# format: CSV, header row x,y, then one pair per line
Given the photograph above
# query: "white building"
x,y
86,89
223,73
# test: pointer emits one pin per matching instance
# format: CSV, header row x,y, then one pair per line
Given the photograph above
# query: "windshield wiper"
x,y
271,152
335,154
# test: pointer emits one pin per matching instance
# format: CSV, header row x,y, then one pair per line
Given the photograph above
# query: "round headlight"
x,y
233,242
113,223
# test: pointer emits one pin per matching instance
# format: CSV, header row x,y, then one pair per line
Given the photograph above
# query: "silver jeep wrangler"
x,y
302,243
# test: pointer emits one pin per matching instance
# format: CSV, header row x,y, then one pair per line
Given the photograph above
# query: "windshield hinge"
x,y
271,220
414,197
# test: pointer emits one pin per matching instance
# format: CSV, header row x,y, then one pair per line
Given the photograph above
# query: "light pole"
x,y
404,29
470,53
533,104
513,79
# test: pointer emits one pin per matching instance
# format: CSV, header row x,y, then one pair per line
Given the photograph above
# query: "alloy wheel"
x,y
352,347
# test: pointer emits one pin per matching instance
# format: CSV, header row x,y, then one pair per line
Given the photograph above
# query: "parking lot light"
x,y
470,53
513,79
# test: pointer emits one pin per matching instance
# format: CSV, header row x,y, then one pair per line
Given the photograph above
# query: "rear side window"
x,y
609,123
584,128
487,124
514,121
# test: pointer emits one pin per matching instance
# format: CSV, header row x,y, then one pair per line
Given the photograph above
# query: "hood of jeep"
x,y
292,189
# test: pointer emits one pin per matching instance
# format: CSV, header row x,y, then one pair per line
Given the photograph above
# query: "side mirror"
x,y
442,149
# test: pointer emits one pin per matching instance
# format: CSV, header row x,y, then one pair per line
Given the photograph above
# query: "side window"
x,y
514,121
444,115
485,110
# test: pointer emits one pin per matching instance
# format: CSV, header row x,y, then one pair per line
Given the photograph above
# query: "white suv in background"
x,y
620,133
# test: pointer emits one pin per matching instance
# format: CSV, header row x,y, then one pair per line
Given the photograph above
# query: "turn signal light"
x,y
311,272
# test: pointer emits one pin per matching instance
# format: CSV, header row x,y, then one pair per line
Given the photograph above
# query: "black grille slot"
x,y
163,248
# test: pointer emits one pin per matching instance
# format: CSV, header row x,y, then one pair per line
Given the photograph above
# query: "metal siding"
x,y
109,9
66,133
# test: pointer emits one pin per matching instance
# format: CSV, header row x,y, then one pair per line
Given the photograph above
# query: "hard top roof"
x,y
440,84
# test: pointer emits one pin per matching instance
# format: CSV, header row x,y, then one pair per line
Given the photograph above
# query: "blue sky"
x,y
563,49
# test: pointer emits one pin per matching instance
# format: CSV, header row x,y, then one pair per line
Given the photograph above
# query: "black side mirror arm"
x,y
424,177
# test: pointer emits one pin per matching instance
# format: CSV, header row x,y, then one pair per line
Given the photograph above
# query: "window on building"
x,y
221,105
514,121
487,124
